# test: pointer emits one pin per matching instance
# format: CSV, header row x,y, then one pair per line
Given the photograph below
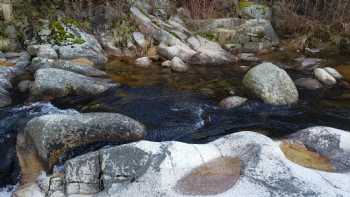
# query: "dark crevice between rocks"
x,y
100,176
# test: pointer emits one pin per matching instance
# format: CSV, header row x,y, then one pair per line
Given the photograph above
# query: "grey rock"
x,y
2,55
157,169
43,51
208,52
249,57
7,74
143,62
90,49
323,76
334,73
178,65
24,86
53,135
82,174
87,70
253,35
166,64
169,52
207,25
232,102
271,84
139,39
59,83
308,63
308,83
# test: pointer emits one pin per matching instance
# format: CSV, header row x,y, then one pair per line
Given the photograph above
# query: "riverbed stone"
x,y
54,135
334,73
52,82
44,51
139,39
232,102
143,62
178,65
308,83
325,77
271,84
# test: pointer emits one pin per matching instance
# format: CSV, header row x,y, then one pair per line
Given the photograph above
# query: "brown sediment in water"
x,y
214,177
345,71
215,80
299,154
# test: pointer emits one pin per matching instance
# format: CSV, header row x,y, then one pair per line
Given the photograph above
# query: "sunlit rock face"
x,y
245,163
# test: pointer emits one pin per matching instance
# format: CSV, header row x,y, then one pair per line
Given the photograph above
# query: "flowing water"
x,y
184,107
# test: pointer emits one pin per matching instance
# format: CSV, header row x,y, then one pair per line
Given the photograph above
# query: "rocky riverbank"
x,y
224,86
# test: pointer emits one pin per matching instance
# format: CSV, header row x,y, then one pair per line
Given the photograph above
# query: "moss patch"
x,y
60,35
299,154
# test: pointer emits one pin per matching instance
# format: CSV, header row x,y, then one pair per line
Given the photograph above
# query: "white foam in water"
x,y
7,191
45,108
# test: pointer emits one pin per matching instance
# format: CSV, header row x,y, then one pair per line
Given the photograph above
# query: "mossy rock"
x,y
60,35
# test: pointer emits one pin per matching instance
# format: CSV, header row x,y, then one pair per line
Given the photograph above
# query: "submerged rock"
x,y
308,63
308,83
54,135
271,84
52,82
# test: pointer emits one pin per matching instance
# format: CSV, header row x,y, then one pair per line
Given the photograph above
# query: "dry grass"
x,y
303,16
201,9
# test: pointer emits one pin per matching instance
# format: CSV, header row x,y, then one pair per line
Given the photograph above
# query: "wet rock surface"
x,y
54,135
